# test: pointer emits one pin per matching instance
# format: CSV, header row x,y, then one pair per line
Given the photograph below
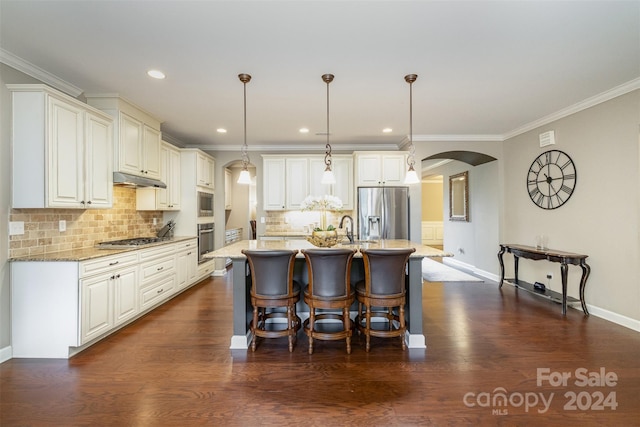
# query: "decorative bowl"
x,y
323,239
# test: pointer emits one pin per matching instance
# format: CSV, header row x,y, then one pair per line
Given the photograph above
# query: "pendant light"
x,y
327,176
244,177
412,176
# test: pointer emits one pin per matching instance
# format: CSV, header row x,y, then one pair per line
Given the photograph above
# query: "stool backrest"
x,y
385,270
271,271
329,271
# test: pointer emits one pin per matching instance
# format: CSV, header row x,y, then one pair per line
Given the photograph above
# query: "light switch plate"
x,y
16,228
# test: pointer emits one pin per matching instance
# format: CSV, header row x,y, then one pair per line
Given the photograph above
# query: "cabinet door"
x,y
274,184
393,169
297,182
182,279
125,294
98,162
151,152
97,306
65,163
130,145
369,170
173,180
162,194
205,168
343,188
316,170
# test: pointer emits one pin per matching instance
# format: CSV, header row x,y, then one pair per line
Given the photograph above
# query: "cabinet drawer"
x,y
158,292
156,268
100,265
156,252
188,244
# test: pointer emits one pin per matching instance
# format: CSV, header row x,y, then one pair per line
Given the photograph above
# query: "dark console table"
x,y
564,258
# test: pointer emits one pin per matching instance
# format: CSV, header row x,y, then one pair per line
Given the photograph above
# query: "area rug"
x,y
434,271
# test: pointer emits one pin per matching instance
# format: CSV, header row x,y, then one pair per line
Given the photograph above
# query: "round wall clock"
x,y
551,179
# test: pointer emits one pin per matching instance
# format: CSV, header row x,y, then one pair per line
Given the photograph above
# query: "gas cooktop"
x,y
131,243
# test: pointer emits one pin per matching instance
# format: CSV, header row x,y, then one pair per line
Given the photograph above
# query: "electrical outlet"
x,y
62,225
262,220
16,228
155,221
550,276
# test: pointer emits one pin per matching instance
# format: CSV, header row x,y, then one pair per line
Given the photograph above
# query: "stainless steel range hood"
x,y
125,179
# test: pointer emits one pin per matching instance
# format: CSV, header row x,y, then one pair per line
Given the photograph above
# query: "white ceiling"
x,y
485,69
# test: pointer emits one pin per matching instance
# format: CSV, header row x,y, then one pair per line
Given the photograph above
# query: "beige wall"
x,y
601,217
432,201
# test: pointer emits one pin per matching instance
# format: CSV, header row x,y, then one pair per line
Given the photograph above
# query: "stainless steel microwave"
x,y
205,204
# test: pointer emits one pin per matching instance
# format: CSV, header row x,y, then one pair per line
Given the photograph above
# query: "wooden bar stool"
x,y
329,289
383,287
272,287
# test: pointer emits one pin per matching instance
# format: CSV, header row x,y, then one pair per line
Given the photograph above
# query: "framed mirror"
x,y
459,197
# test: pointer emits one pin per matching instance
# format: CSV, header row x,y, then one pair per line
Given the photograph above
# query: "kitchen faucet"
x,y
349,233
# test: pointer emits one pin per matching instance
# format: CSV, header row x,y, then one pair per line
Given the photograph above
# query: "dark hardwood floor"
x,y
174,367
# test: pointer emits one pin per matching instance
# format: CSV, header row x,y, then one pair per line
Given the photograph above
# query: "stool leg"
x,y
290,327
367,329
402,327
312,321
347,327
254,327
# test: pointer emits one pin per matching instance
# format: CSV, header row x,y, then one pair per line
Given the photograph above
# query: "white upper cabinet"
x,y
288,180
137,147
205,169
98,160
163,199
342,167
377,169
62,151
297,181
274,181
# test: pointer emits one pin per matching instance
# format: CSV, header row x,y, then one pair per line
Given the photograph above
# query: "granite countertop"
x,y
234,250
84,254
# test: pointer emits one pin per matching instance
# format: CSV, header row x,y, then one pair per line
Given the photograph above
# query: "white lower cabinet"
x,y
186,266
108,290
60,308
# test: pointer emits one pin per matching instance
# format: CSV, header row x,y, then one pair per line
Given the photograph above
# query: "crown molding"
x,y
608,95
36,72
300,148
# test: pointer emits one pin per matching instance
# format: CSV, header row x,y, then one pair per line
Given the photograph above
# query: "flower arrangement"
x,y
323,204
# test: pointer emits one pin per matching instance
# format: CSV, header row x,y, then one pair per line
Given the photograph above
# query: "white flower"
x,y
321,203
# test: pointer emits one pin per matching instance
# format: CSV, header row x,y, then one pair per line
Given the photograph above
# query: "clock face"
x,y
551,179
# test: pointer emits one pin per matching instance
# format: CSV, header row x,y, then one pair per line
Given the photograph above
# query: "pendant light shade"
x,y
327,176
245,177
412,176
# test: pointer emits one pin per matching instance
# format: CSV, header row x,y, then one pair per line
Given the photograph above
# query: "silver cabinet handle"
x,y
114,263
160,268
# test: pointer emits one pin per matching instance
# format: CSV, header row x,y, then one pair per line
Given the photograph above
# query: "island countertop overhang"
x,y
234,250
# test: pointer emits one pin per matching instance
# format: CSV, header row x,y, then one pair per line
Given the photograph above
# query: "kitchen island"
x,y
242,310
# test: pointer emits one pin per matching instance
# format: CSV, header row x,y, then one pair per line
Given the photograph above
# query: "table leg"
x,y
563,274
501,265
586,270
515,263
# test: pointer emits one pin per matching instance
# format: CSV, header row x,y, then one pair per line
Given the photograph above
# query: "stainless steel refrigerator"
x,y
383,213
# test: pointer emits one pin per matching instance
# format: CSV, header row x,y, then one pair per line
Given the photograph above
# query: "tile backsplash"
x,y
85,228
298,221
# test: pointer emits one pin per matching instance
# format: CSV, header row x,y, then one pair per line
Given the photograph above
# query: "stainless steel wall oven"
x,y
205,240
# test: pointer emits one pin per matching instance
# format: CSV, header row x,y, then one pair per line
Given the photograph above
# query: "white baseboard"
x,y
219,273
6,353
616,318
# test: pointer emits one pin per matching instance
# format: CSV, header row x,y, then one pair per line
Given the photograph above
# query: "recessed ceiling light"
x,y
304,130
387,130
221,130
156,74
